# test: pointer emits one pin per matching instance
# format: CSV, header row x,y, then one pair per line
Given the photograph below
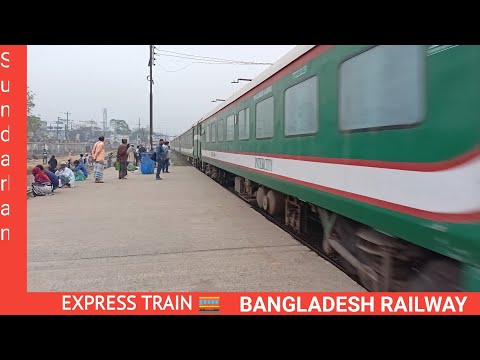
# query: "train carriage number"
x,y
263,164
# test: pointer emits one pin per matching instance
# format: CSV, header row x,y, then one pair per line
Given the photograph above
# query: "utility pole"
x,y
138,133
150,64
66,128
104,121
58,123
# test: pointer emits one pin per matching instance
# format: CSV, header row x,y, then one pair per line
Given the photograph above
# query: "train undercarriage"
x,y
377,261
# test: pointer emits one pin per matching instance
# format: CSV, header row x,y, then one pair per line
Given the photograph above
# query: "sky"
x,y
84,79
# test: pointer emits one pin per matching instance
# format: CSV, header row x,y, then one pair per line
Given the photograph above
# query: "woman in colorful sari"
x,y
122,159
42,185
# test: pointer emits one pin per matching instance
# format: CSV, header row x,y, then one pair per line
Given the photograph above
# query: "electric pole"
x,y
138,133
150,64
58,123
104,121
66,129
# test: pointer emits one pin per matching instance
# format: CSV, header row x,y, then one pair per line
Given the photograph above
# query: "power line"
x,y
208,59
200,62
177,69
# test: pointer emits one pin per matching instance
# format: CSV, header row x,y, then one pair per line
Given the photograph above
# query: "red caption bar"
x,y
13,202
174,303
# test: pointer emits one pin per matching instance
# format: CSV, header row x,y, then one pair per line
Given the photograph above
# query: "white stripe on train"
x,y
452,191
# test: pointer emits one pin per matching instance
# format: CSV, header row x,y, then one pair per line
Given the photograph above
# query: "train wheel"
x,y
274,203
260,195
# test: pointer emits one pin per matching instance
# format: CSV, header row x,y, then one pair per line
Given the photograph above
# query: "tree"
x,y
141,135
120,127
34,123
30,103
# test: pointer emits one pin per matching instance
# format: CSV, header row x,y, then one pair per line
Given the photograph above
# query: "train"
x,y
371,150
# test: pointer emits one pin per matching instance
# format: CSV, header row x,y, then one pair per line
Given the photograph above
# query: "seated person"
x,y
80,171
41,185
53,178
66,176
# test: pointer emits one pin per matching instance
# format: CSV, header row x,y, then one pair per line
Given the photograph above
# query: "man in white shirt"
x,y
66,176
166,163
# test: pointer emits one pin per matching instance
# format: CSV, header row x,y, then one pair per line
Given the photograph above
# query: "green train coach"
x,y
372,150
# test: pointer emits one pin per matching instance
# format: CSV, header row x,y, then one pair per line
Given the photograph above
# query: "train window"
x,y
244,124
231,128
207,133
220,130
301,108
264,119
214,132
382,87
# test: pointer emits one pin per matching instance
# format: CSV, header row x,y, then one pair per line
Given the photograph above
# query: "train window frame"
x,y
232,117
273,118
316,108
213,135
423,112
207,133
222,132
247,117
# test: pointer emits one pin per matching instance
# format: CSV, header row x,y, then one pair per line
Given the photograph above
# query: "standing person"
x,y
135,154
109,160
166,163
98,157
45,156
122,159
131,155
160,154
52,164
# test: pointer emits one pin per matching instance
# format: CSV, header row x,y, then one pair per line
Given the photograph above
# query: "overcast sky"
x,y
84,79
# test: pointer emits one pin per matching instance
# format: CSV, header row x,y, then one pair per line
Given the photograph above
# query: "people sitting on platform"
x,y
41,185
66,176
80,171
53,178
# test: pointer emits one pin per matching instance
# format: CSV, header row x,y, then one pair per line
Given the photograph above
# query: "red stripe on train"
x,y
424,167
429,215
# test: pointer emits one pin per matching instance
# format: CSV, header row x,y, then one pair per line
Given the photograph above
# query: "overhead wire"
x,y
198,59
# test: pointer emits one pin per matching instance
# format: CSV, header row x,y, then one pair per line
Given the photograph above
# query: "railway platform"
x,y
184,233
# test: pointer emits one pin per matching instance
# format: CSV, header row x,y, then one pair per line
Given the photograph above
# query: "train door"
x,y
195,145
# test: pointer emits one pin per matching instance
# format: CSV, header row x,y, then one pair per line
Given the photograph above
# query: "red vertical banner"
x,y
13,180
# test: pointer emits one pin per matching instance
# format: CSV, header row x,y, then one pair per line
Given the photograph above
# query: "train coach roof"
x,y
292,55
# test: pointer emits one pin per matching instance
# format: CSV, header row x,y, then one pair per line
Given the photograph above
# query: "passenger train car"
x,y
378,144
